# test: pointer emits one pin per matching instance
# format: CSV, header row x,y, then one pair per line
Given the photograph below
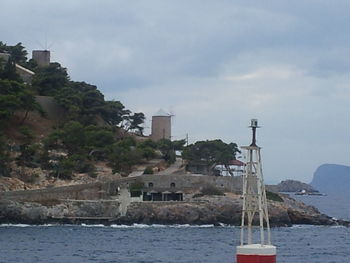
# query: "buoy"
x,y
254,208
256,253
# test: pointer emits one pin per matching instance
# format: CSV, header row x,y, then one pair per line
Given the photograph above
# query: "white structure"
x,y
161,126
25,74
41,57
254,204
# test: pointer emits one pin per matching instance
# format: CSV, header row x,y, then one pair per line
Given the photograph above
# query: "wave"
x,y
26,225
116,226
162,226
95,225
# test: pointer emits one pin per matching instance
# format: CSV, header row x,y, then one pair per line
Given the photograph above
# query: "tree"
x,y
14,97
210,153
49,80
113,112
8,71
135,122
17,52
71,101
168,149
123,155
28,103
4,157
73,137
28,151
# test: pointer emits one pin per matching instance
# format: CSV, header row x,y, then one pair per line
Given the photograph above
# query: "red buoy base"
x,y
256,253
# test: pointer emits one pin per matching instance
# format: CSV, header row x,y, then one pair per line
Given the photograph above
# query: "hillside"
x,y
54,129
332,178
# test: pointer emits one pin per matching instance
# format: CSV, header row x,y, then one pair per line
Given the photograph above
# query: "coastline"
x,y
207,210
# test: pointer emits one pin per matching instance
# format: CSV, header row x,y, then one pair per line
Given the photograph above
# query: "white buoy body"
x,y
256,253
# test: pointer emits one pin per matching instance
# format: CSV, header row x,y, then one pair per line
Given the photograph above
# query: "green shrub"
x,y
82,164
273,196
63,169
135,188
148,170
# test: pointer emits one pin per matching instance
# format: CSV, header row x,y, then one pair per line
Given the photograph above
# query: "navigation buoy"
x,y
254,209
256,253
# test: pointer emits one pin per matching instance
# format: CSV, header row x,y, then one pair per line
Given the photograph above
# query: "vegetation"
x,y
274,196
135,188
15,97
210,153
4,159
88,134
148,170
17,52
94,129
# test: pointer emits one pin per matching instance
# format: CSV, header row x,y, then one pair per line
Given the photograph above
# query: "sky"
x,y
213,64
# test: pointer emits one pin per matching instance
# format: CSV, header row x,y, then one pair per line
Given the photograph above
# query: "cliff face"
x,y
332,178
202,210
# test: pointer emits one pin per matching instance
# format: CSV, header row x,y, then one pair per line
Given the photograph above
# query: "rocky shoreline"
x,y
215,210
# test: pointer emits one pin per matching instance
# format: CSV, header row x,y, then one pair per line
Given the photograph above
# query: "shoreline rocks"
x,y
199,211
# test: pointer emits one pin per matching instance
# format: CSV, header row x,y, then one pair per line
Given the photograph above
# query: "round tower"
x,y
41,57
161,126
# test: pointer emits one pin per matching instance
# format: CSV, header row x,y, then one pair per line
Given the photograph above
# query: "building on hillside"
x,y
161,126
41,57
25,74
158,187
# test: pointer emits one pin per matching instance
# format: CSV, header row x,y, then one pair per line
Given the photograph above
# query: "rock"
x,y
202,210
291,186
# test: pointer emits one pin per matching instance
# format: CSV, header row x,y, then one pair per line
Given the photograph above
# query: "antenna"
x,y
254,126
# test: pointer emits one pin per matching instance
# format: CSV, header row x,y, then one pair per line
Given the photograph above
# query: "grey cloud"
x,y
215,63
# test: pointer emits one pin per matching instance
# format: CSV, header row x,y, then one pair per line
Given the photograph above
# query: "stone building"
x,y
25,74
161,126
41,57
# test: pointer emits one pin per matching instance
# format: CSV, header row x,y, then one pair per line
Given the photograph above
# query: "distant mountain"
x,y
332,178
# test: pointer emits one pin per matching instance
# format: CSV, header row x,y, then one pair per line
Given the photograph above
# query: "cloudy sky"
x,y
214,64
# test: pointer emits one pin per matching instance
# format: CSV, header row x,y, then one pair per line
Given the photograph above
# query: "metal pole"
x,y
259,186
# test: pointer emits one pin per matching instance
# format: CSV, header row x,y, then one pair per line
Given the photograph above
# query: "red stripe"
x,y
256,259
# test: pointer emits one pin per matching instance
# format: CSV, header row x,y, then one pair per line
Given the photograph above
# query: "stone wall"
x,y
92,191
109,190
182,181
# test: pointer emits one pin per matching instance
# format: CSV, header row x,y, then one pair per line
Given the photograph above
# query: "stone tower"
x,y
42,57
161,126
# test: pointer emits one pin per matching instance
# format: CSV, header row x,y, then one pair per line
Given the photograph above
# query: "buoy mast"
x,y
254,209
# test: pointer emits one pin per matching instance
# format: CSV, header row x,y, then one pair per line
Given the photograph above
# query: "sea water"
x,y
161,244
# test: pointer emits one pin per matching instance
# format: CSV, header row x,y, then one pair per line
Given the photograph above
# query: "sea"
x,y
176,243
